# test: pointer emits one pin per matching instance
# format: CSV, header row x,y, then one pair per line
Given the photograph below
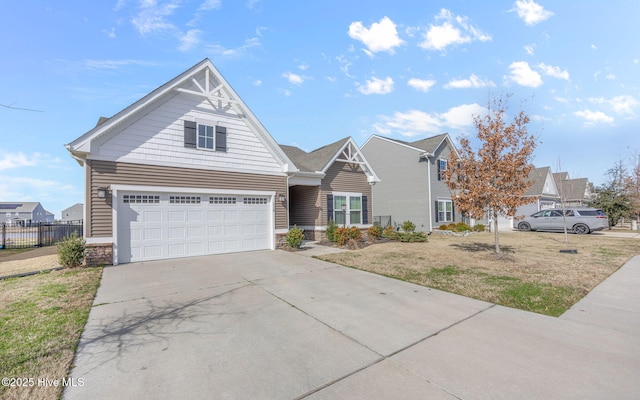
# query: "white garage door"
x,y
153,226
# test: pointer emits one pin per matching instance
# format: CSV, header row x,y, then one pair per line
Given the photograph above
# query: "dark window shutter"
x,y
329,207
190,136
365,211
437,211
221,138
453,212
439,172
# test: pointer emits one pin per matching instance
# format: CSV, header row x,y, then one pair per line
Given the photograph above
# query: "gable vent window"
x,y
255,200
184,199
140,199
207,137
222,200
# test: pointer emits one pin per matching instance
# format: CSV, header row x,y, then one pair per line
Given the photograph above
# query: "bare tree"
x,y
493,179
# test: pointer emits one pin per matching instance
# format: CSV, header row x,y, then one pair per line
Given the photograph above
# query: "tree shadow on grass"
x,y
476,247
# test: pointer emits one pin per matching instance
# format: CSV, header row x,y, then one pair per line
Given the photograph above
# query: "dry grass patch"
x,y
531,274
42,319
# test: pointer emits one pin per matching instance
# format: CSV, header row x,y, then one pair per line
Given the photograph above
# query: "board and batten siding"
x,y
106,173
158,138
344,177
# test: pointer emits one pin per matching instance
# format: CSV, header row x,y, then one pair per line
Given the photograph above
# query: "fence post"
x,y
4,235
39,242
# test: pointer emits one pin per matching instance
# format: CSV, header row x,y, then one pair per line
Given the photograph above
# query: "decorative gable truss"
x,y
351,154
212,91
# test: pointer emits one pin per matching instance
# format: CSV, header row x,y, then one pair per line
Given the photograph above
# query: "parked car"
x,y
579,220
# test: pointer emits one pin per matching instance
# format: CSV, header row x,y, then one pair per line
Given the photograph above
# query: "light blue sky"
x,y
316,71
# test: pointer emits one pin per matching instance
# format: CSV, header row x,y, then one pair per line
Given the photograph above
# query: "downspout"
x,y
429,202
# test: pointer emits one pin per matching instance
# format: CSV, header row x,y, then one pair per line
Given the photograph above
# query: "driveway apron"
x,y
276,325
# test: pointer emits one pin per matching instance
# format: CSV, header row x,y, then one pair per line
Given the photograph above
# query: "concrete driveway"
x,y
276,325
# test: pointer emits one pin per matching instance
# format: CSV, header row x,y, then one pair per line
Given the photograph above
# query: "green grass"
x,y
42,318
507,291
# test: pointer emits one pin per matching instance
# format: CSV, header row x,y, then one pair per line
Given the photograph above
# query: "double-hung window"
x,y
347,209
442,166
445,211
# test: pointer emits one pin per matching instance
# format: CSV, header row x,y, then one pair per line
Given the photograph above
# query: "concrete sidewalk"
x,y
274,325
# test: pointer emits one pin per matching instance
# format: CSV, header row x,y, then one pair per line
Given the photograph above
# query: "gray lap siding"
x,y
106,173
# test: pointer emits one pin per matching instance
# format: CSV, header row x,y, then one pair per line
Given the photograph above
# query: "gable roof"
x,y
428,145
17,206
539,177
319,160
81,148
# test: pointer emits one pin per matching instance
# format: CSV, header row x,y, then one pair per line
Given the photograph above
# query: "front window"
x,y
445,211
205,137
442,166
347,209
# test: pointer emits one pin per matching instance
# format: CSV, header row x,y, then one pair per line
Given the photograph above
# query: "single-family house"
x,y
189,170
411,186
573,192
331,183
24,213
75,213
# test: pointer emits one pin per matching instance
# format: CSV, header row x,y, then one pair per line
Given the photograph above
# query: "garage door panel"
x,y
155,226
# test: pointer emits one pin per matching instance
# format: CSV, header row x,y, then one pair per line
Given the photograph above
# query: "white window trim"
x,y
347,210
213,139
445,210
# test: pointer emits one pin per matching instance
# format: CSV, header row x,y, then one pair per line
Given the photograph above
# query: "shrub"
x,y
479,228
71,251
408,226
443,227
331,231
389,232
461,227
342,236
411,237
294,237
355,233
374,232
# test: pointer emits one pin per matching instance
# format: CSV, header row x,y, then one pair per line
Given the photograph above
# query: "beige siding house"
x,y
332,183
188,170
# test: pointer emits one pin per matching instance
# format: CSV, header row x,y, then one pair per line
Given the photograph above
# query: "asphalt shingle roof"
x,y
315,160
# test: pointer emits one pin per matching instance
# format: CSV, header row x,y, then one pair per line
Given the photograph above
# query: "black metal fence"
x,y
37,235
382,220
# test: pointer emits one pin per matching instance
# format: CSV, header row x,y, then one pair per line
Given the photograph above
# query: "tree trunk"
x,y
495,232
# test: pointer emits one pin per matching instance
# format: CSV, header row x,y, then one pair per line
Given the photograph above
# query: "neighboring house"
x,y
186,170
573,192
411,187
24,213
75,213
542,194
332,183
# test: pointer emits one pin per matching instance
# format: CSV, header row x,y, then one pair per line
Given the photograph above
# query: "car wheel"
x,y
581,229
524,226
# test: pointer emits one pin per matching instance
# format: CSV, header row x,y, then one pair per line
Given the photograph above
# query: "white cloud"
x,y
621,105
421,84
415,122
382,36
115,64
189,39
210,5
294,79
523,75
152,16
555,72
377,86
531,12
594,117
474,81
451,30
530,49
257,83
18,160
344,66
234,52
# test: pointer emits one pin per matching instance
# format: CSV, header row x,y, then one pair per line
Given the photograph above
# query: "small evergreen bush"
x,y
355,233
294,237
389,232
461,227
408,226
479,228
342,236
331,231
71,251
411,237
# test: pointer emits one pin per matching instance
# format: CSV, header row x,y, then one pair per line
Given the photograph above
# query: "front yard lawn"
x,y
41,320
531,274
